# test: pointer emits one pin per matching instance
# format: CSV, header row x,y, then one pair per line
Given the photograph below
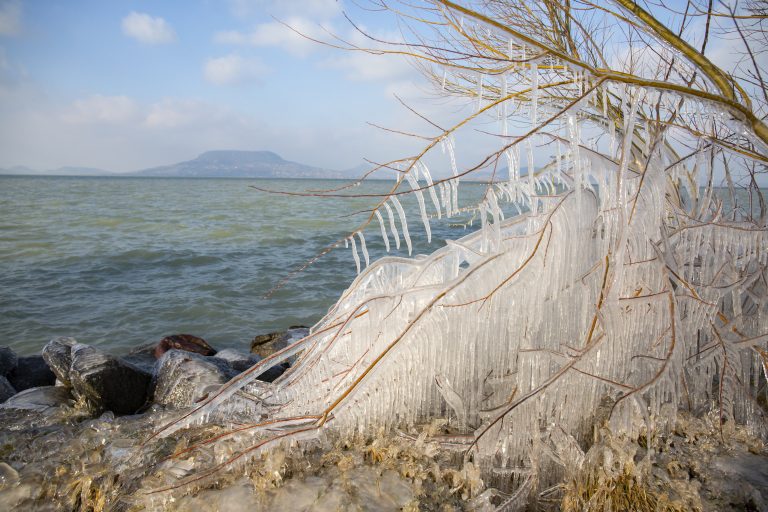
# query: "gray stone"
x,y
6,390
185,378
31,372
8,361
58,355
34,407
143,357
107,382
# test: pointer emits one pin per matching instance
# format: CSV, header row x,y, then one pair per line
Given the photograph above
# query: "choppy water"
x,y
118,262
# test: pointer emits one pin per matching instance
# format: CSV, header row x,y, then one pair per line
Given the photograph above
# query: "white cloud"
x,y
10,17
146,29
317,9
233,69
364,66
289,36
172,113
101,109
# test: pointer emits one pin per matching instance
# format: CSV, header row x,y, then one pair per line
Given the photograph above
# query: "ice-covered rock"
x,y
6,390
239,361
739,481
57,353
35,407
31,372
143,356
108,382
184,378
8,361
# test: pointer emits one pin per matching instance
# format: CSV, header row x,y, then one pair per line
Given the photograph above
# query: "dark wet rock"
x,y
34,407
58,355
108,382
6,390
31,372
274,372
185,342
239,361
267,344
185,378
8,361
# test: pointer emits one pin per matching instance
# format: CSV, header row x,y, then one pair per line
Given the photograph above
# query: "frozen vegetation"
x,y
604,303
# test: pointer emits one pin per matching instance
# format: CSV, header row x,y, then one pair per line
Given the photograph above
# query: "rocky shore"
x,y
178,371
74,419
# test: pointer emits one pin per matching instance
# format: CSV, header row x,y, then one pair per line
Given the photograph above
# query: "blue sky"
x,y
124,85
128,84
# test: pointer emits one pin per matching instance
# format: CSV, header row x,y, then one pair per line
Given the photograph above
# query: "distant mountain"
x,y
242,164
20,170
233,164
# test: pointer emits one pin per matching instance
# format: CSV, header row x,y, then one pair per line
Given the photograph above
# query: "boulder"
x,y
143,356
107,382
6,390
185,342
34,407
267,344
31,372
58,354
185,378
8,361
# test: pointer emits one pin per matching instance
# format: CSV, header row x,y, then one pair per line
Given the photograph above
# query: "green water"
x,y
118,262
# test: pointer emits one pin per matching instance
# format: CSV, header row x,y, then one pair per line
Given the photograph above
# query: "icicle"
x,y
448,145
403,222
534,93
432,193
479,92
455,194
612,138
383,229
420,199
496,212
445,75
512,172
443,199
354,253
392,226
363,248
483,223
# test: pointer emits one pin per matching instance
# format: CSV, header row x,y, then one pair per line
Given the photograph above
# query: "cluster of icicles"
x,y
610,295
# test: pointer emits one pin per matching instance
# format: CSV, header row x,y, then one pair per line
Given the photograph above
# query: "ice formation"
x,y
614,289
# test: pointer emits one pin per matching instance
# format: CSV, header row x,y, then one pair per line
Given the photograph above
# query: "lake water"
x,y
118,262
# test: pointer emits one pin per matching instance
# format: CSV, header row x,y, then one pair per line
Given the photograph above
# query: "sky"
x,y
129,84
124,85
